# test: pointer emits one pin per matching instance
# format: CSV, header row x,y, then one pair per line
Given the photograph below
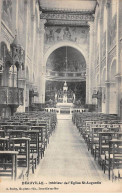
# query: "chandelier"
x,y
66,61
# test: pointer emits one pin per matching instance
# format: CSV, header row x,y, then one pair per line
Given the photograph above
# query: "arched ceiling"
x,y
57,60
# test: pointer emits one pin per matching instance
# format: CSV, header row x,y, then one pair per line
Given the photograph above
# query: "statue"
x,y
65,96
67,34
65,87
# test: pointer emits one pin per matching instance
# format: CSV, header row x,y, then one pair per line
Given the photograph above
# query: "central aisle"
x,y
67,156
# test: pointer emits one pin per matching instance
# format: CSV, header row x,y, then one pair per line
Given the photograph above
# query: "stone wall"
x,y
21,18
108,45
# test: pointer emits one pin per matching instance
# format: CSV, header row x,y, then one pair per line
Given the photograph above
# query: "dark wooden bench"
x,y
22,146
8,164
2,133
103,150
42,137
4,143
34,146
115,157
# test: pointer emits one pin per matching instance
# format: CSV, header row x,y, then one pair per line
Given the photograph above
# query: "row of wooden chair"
x,y
103,136
23,140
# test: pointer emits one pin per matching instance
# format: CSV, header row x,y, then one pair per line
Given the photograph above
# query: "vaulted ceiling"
x,y
68,5
67,12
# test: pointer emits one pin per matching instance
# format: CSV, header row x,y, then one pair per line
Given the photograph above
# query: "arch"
x,y
75,60
61,44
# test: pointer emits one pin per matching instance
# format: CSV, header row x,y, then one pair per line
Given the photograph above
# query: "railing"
x,y
61,75
71,110
11,96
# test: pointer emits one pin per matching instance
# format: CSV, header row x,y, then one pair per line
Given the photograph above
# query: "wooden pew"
x,y
117,159
94,135
38,126
2,133
4,143
93,139
34,143
8,164
115,156
22,146
42,137
104,138
34,147
11,133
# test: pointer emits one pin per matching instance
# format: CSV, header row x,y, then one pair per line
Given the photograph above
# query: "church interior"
x,y
61,89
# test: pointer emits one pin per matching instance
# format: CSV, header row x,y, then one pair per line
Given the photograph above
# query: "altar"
x,y
64,98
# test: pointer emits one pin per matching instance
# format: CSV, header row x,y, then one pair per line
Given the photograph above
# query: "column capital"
x,y
42,26
118,77
42,22
109,83
91,26
91,23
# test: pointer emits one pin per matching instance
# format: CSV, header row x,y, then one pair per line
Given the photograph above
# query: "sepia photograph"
x,y
60,96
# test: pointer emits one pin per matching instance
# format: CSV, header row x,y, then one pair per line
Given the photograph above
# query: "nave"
x,y
41,147
67,156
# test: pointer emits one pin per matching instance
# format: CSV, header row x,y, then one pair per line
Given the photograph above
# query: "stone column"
x,y
120,30
37,62
33,20
1,62
107,63
91,60
0,17
87,85
23,82
100,21
100,47
118,62
42,67
118,67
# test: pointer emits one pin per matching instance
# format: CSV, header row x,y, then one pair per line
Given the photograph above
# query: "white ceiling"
x,y
76,5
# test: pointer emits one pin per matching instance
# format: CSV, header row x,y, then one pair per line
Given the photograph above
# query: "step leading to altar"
x,y
64,105
64,116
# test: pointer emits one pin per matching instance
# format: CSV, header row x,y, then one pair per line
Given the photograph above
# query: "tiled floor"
x,y
67,156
